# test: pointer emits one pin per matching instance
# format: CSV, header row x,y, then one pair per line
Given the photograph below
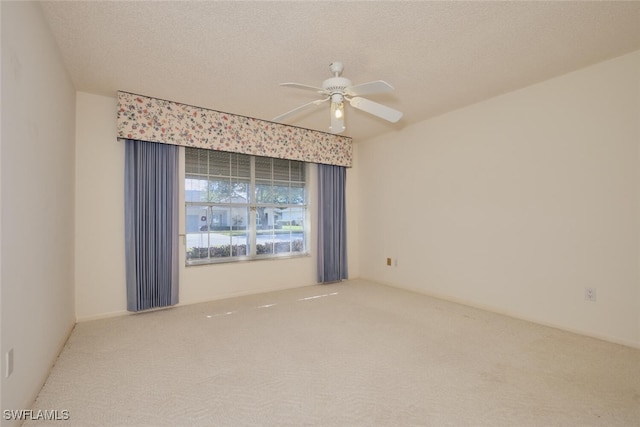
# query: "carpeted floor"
x,y
350,354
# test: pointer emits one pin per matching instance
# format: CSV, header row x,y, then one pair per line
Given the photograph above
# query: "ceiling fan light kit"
x,y
337,89
337,113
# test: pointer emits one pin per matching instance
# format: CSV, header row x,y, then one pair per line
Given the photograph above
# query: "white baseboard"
x,y
103,316
614,340
181,304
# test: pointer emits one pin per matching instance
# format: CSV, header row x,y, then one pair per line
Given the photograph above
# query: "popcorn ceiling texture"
x,y
232,56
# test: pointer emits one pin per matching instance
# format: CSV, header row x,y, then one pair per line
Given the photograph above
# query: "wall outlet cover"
x,y
8,363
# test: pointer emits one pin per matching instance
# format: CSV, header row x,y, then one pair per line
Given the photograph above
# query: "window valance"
x,y
156,120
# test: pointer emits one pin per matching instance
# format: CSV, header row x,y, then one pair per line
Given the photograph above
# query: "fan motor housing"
x,y
336,84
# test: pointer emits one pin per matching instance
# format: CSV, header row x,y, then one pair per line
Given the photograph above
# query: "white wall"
x,y
353,215
38,120
100,271
518,203
100,262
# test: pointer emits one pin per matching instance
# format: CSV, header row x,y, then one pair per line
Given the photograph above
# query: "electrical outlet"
x,y
590,294
389,261
8,363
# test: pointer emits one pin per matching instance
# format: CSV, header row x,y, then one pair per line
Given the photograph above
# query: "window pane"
x,y
297,171
197,246
281,193
219,190
280,230
197,233
240,190
197,218
219,163
297,194
275,194
264,232
220,245
291,230
293,219
239,218
263,168
196,161
281,169
264,218
240,232
219,218
240,165
195,190
264,192
229,236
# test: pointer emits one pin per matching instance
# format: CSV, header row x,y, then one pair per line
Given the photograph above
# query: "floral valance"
x,y
156,120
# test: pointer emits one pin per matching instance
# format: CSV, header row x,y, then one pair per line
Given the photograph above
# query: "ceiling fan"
x,y
339,89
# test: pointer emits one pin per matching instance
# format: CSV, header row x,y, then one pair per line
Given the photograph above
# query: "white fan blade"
x,y
305,87
379,86
376,109
281,117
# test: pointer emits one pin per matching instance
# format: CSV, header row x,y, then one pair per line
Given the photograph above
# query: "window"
x,y
241,207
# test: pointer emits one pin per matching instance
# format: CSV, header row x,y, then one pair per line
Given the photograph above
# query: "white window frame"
x,y
252,231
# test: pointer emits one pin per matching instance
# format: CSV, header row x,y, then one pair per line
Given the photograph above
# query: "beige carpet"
x,y
348,354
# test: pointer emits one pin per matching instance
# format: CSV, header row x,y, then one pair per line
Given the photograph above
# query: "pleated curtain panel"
x,y
332,224
151,224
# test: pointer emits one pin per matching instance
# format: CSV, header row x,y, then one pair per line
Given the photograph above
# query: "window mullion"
x,y
209,215
252,208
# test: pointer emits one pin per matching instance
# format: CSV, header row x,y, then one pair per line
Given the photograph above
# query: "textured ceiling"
x,y
232,56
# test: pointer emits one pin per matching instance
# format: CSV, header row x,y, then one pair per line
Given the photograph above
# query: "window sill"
x,y
230,260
